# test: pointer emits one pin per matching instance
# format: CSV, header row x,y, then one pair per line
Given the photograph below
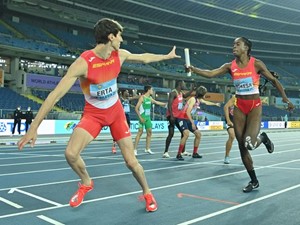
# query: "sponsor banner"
x,y
293,124
67,126
275,124
215,125
202,125
47,127
209,125
157,126
6,126
264,124
214,97
47,82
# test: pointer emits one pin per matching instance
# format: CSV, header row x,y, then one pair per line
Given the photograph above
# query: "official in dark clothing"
x,y
17,120
28,117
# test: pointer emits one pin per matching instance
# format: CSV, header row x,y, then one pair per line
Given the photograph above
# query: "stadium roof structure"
x,y
273,26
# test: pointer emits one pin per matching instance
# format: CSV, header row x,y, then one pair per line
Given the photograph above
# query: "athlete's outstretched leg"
x,y
78,141
126,147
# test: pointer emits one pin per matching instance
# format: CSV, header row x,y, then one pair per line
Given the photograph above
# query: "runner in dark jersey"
x,y
175,105
187,124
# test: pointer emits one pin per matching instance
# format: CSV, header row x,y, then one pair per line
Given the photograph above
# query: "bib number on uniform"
x,y
147,112
104,91
244,85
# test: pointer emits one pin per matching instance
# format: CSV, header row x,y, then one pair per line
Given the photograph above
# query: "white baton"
x,y
187,60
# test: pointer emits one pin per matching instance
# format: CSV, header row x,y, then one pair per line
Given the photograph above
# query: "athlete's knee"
x,y
149,132
71,156
244,153
197,134
171,132
185,134
231,138
171,128
170,136
249,143
132,164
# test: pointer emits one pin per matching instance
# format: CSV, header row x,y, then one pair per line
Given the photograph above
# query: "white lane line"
x,y
32,211
141,160
49,220
11,203
217,213
20,156
59,169
32,163
181,165
128,193
86,156
285,168
95,149
33,196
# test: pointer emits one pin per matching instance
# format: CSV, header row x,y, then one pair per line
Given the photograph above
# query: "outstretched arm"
x,y
210,73
76,70
209,102
158,102
146,57
262,69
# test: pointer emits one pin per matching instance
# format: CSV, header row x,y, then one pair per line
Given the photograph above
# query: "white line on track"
x,y
211,215
141,160
158,188
33,196
11,203
49,220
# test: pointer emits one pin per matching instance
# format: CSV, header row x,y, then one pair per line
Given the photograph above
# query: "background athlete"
x,y
175,105
228,112
187,124
143,110
125,101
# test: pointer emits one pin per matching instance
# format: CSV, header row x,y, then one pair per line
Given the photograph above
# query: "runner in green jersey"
x,y
143,110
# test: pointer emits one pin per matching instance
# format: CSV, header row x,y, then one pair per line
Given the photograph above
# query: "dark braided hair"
x,y
248,43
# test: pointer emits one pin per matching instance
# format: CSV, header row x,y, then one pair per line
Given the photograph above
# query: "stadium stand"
x,y
65,40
